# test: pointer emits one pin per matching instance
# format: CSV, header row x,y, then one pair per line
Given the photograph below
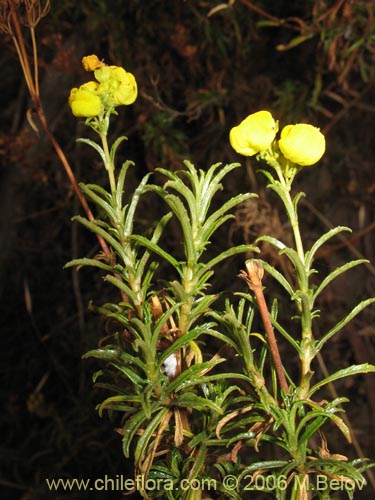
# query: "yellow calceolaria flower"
x,y
84,101
302,144
92,63
254,134
118,84
114,87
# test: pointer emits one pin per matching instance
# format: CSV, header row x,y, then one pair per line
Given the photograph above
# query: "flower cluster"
x,y
114,87
301,144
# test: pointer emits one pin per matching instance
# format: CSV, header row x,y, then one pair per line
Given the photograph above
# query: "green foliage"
x,y
172,390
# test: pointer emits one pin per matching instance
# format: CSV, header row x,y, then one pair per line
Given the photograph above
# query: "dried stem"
x,y
32,85
253,278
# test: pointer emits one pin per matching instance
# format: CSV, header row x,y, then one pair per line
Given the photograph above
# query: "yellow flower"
x,y
118,84
302,144
92,63
254,134
84,102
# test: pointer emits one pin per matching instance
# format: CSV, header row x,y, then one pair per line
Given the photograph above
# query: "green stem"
x,y
134,283
307,342
108,163
188,284
292,213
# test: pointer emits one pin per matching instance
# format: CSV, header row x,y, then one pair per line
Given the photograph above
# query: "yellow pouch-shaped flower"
x,y
85,102
302,144
254,134
118,84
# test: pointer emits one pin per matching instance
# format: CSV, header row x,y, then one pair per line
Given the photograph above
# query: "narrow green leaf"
x,y
311,428
95,228
309,256
121,182
192,376
104,354
158,231
277,276
345,372
191,400
184,340
88,262
114,147
199,460
130,428
142,240
121,285
266,464
286,335
218,218
112,401
197,439
137,381
273,241
141,448
95,146
296,199
180,211
128,227
337,272
340,325
87,190
226,254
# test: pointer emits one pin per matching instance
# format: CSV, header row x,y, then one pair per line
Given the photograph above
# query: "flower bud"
x,y
92,63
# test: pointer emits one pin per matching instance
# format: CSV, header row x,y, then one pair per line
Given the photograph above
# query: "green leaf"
x,y
345,372
216,219
89,190
158,231
191,400
130,428
128,227
95,146
286,335
88,262
265,464
142,240
104,354
118,402
334,274
121,181
340,325
277,276
225,255
137,381
114,147
309,256
224,338
125,288
141,448
311,428
95,228
199,460
184,340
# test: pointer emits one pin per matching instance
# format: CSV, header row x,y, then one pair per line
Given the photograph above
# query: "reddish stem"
x,y
253,278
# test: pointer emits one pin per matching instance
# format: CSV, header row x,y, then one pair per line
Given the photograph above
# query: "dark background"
x,y
198,75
